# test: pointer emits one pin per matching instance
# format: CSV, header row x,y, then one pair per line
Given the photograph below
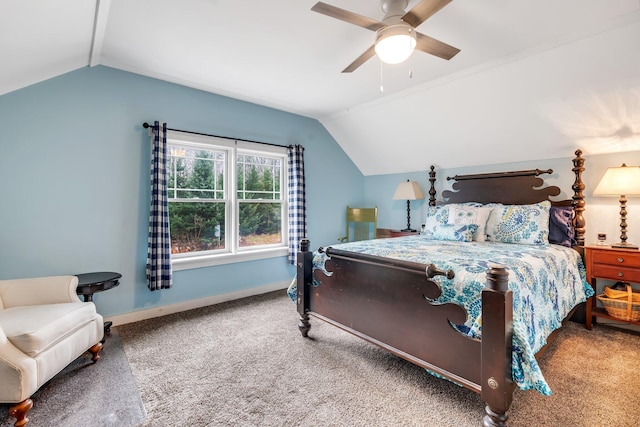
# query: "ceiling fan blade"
x,y
423,11
346,16
367,55
435,47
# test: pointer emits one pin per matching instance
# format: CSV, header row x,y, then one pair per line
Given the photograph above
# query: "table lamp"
x,y
621,181
408,191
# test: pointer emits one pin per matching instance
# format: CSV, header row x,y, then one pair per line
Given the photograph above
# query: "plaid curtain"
x,y
297,207
159,248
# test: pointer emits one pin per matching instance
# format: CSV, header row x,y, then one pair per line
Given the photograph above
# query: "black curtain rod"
x,y
147,125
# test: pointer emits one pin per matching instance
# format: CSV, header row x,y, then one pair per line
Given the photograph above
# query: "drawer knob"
x,y
620,274
620,260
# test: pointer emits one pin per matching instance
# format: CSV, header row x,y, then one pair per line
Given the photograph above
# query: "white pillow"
x,y
439,215
461,214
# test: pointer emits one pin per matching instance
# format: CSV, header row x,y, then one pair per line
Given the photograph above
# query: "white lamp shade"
x,y
623,180
395,43
408,190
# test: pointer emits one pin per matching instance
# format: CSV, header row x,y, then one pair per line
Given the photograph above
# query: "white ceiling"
x,y
534,79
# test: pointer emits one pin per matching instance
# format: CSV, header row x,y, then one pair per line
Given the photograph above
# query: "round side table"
x,y
90,283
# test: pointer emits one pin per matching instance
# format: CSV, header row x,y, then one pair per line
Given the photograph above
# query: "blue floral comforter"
x,y
547,282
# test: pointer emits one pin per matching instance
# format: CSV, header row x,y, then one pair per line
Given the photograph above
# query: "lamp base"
x,y
624,245
410,230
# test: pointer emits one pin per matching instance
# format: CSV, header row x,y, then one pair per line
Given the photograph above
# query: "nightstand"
x,y
605,262
399,233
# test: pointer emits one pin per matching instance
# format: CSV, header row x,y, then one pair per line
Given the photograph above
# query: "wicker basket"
x,y
625,305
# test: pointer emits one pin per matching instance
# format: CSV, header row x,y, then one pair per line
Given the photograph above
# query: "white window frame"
x,y
232,252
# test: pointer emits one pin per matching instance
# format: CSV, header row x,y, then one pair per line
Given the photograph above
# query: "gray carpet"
x,y
244,363
86,394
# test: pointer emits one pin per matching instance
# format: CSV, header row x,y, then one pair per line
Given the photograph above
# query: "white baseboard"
x,y
150,313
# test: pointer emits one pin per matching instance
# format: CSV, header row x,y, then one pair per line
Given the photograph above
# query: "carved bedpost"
x,y
578,198
497,384
304,278
432,188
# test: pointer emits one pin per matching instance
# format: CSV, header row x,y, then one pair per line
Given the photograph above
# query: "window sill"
x,y
221,259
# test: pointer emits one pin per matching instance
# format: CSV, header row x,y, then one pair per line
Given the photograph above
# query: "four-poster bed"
x,y
410,309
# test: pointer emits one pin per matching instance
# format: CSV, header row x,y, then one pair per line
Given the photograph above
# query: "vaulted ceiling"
x,y
533,80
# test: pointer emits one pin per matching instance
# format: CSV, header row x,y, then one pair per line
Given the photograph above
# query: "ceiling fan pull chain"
x,y
411,67
381,86
411,62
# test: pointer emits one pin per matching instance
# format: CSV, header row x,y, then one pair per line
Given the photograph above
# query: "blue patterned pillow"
x,y
451,232
527,224
436,215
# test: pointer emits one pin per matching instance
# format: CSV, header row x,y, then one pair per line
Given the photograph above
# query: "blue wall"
x,y
74,172
379,190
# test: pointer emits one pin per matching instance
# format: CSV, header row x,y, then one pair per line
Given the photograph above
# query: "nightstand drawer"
x,y
613,272
616,258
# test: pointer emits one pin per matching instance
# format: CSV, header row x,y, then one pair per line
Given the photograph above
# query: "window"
x,y
227,200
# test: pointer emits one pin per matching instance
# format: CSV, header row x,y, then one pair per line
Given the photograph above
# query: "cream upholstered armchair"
x,y
43,327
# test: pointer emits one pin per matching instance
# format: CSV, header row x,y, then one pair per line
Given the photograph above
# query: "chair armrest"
x,y
38,290
17,372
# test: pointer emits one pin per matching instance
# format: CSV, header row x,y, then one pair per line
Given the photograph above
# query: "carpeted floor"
x,y
244,363
86,394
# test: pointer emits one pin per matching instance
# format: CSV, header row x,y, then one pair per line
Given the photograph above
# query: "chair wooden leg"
x,y
19,412
95,350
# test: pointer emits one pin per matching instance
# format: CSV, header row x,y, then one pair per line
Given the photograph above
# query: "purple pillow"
x,y
561,230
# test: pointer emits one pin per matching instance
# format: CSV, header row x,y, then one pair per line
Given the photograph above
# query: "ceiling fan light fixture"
x,y
395,43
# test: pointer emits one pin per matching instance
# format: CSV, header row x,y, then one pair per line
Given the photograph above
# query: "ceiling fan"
x,y
396,26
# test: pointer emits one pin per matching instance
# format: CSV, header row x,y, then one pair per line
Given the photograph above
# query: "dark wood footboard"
x,y
390,303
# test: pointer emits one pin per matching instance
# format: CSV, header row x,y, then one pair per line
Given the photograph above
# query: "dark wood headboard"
x,y
515,188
